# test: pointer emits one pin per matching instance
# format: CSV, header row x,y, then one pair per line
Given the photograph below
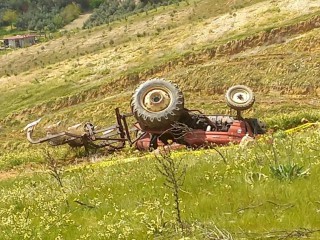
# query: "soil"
x,y
77,23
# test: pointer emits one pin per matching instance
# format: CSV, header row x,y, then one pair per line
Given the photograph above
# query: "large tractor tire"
x,y
240,97
157,104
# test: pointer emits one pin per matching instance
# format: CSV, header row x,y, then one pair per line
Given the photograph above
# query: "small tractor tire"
x,y
240,97
157,104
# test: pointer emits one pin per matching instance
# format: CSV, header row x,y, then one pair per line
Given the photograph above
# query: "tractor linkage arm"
x,y
106,137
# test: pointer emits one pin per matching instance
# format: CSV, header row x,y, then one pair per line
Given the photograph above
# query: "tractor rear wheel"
x,y
240,97
157,104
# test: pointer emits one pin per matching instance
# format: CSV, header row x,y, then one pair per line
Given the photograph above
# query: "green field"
x,y
264,191
237,195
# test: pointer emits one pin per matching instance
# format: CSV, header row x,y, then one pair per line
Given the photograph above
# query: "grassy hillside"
x,y
82,62
234,197
267,191
83,77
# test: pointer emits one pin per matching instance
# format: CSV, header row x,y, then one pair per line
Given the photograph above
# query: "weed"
x,y
289,171
54,166
56,170
174,174
216,233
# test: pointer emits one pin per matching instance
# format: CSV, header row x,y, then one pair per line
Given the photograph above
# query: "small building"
x,y
20,41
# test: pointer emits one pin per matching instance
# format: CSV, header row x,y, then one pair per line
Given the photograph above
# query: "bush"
x,y
113,10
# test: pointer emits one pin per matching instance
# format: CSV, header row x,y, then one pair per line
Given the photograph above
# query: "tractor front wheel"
x,y
240,97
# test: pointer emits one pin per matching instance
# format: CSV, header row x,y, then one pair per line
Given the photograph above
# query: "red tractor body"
x,y
196,138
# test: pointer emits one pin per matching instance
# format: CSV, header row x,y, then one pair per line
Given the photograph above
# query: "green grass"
x,y
129,200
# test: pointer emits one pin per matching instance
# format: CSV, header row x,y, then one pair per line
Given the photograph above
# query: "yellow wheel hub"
x,y
156,100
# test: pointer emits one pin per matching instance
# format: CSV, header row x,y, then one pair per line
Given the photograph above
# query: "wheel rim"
x,y
156,100
240,96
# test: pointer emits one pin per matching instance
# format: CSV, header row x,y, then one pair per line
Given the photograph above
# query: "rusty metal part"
x,y
113,137
156,100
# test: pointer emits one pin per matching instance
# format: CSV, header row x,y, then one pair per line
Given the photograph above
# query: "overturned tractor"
x,y
161,118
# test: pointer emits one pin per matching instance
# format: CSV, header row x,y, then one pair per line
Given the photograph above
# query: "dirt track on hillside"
x,y
77,23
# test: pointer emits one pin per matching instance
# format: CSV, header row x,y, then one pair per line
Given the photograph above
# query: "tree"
x,y
10,17
40,26
57,21
95,3
70,12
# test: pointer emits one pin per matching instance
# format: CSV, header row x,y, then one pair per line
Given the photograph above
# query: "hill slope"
x,y
267,190
146,46
200,45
